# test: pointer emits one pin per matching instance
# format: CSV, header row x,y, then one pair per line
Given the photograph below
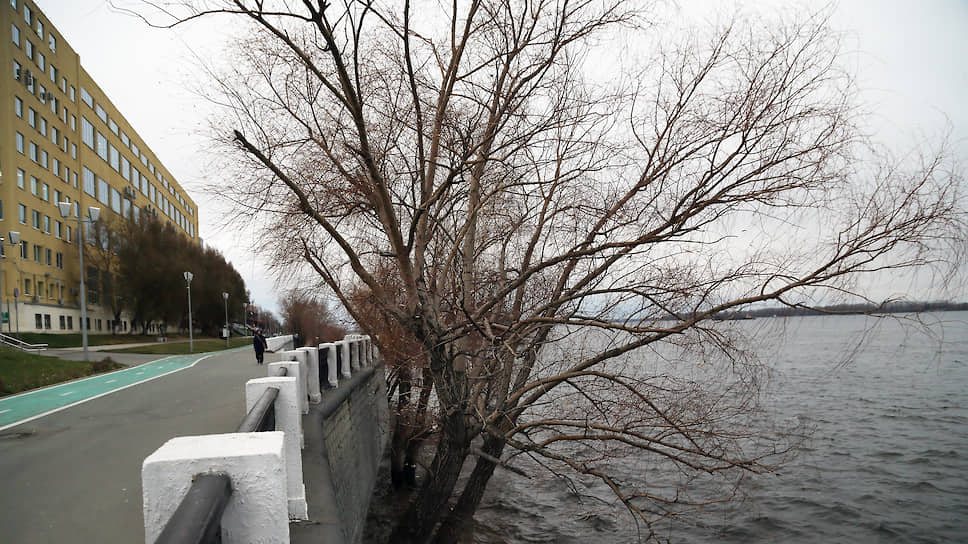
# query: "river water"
x,y
886,461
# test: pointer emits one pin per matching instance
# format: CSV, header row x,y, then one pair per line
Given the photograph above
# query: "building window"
x,y
115,158
60,260
47,231
52,42
114,127
22,212
101,113
58,232
18,107
23,249
102,146
20,178
115,200
47,321
89,182
63,322
16,34
43,158
103,192
70,322
87,98
37,253
20,143
35,222
33,151
100,325
29,48
87,132
49,257
32,117
38,320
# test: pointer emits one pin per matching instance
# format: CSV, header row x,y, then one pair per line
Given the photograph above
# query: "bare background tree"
x,y
554,221
307,316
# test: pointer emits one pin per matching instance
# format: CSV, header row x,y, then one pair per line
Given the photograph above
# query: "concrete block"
x,y
344,354
330,353
257,509
294,361
289,421
312,374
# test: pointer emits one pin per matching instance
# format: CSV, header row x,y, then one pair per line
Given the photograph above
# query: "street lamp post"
x,y
191,339
14,238
225,296
92,213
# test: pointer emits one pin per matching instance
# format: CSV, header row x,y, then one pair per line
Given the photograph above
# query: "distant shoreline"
x,y
846,309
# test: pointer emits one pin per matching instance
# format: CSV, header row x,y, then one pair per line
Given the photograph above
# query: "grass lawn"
x,y
201,345
21,371
73,340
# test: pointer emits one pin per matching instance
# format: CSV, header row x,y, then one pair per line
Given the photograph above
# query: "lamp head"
x,y
14,237
189,276
65,208
93,213
225,295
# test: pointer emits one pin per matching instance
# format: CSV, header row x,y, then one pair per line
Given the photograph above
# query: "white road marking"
x,y
68,393
4,411
110,381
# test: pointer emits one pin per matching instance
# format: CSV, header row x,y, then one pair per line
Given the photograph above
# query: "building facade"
x,y
62,140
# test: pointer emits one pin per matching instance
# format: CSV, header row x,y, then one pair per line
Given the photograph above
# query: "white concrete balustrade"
x,y
288,421
257,511
265,468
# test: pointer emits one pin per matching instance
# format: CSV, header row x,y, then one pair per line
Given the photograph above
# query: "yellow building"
x,y
63,141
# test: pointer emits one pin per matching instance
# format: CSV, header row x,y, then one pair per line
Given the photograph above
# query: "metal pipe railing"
x,y
198,519
262,416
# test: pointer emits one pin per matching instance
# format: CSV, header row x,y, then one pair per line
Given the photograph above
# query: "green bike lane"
x,y
30,405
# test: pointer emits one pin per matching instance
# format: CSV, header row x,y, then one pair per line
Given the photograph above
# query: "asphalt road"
x,y
75,475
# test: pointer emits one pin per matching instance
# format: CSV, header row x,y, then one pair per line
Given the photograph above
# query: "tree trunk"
x,y
402,430
460,518
417,524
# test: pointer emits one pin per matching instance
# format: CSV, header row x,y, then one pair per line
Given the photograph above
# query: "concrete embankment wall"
x,y
352,426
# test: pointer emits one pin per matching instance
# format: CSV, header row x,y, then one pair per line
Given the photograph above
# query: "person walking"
x,y
260,345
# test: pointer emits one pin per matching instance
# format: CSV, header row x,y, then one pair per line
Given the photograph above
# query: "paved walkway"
x,y
67,472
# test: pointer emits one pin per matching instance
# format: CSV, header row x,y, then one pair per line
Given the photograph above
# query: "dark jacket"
x,y
259,343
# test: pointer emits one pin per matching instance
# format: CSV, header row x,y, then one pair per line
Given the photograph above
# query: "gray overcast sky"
x,y
909,57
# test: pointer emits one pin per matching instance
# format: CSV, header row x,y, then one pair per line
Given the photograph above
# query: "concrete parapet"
x,y
289,421
312,373
332,377
280,343
255,462
299,357
343,358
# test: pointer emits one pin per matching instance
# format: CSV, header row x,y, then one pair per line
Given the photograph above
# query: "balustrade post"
x,y
289,421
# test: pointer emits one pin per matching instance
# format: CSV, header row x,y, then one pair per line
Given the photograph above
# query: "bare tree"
x,y
558,244
310,318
